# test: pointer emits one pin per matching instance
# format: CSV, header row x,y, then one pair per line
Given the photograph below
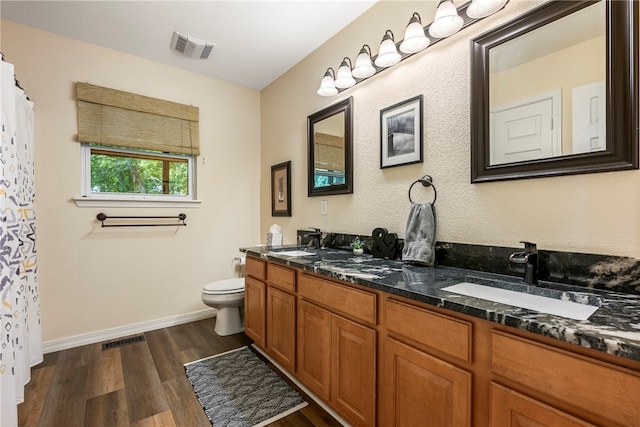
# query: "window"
x,y
136,147
326,177
136,174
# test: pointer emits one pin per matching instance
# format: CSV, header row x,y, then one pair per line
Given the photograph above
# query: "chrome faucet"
x,y
316,235
530,260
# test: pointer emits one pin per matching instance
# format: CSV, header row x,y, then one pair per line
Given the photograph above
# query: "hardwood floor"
x,y
140,384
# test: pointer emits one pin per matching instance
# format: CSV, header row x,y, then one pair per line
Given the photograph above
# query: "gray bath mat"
x,y
238,389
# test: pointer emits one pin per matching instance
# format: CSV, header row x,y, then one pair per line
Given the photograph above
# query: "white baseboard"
x,y
123,331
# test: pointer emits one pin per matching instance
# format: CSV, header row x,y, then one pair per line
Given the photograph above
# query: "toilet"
x,y
227,296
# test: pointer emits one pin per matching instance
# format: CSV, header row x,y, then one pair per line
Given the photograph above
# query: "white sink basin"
x,y
570,309
294,253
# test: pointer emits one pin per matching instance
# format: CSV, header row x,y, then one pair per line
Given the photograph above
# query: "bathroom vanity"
x,y
383,344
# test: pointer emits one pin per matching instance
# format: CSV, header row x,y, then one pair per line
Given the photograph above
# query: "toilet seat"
x,y
225,287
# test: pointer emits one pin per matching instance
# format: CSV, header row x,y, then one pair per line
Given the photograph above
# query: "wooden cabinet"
x,y
512,409
256,268
281,325
336,355
416,364
255,293
417,387
592,388
281,315
314,347
270,310
353,370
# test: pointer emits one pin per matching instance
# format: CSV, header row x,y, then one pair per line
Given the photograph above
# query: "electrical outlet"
x,y
323,207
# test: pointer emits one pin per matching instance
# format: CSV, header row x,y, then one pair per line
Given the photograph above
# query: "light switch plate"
x,y
323,207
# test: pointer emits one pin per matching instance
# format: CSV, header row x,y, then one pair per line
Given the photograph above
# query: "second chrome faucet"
x,y
528,257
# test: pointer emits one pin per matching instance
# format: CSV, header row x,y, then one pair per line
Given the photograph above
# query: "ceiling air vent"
x,y
190,46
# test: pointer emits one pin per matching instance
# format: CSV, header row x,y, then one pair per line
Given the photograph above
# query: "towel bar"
x,y
426,181
102,217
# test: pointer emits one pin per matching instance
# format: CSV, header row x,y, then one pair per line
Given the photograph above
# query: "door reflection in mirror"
x,y
547,91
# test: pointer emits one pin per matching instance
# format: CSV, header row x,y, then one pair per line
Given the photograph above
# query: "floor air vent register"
x,y
124,341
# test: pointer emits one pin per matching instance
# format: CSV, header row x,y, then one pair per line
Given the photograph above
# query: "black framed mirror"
x,y
543,104
330,151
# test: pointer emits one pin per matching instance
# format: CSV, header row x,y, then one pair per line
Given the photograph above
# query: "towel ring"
x,y
426,181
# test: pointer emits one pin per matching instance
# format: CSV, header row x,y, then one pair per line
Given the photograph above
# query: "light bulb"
x,y
344,79
447,21
414,38
482,8
364,68
388,54
327,86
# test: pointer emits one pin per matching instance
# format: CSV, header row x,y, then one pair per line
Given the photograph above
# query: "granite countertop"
x,y
614,328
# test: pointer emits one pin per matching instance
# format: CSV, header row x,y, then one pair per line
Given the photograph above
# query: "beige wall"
x,y
595,213
94,279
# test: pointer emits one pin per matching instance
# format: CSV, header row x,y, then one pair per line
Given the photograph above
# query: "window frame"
x,y
86,192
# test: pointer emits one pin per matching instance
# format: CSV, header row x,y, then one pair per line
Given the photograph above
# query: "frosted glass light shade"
x,y
414,38
344,79
327,86
388,54
364,68
482,8
447,21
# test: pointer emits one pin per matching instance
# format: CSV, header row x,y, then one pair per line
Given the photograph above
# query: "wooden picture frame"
x,y
281,189
401,133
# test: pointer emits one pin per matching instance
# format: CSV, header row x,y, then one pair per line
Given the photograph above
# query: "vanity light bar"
x,y
448,21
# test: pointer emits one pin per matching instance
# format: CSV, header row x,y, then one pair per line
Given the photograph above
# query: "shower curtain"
x,y
20,332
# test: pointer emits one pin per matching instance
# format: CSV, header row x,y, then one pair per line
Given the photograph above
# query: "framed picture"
x,y
281,189
401,133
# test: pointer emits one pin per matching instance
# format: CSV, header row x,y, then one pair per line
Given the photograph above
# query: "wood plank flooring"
x,y
141,384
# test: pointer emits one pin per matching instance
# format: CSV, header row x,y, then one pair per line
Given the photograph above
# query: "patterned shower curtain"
x,y
20,332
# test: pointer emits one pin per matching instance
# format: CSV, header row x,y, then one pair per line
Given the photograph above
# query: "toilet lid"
x,y
226,286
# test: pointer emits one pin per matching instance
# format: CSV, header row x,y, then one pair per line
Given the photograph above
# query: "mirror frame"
x,y
621,100
346,107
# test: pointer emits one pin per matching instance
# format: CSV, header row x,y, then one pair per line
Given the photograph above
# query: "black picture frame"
x,y
401,133
281,189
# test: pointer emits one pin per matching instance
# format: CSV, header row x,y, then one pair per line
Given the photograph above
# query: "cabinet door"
x,y
281,323
254,311
419,389
512,409
314,348
353,368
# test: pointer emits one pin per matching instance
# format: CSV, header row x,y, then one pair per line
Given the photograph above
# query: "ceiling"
x,y
257,41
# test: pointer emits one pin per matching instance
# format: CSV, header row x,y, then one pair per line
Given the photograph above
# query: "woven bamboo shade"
x,y
329,152
112,117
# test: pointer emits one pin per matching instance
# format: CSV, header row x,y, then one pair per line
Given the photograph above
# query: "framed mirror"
x,y
554,92
329,138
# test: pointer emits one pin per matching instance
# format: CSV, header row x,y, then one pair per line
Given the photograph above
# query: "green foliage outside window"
x,y
121,173
325,178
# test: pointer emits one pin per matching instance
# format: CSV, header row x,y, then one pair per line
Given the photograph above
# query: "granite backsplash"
x,y
621,274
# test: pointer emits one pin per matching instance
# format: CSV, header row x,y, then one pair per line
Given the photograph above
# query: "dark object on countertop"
x,y
530,260
317,236
384,243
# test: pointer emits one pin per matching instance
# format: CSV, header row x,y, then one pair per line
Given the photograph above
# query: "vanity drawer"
x,y
578,380
443,333
511,409
256,268
340,298
282,277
